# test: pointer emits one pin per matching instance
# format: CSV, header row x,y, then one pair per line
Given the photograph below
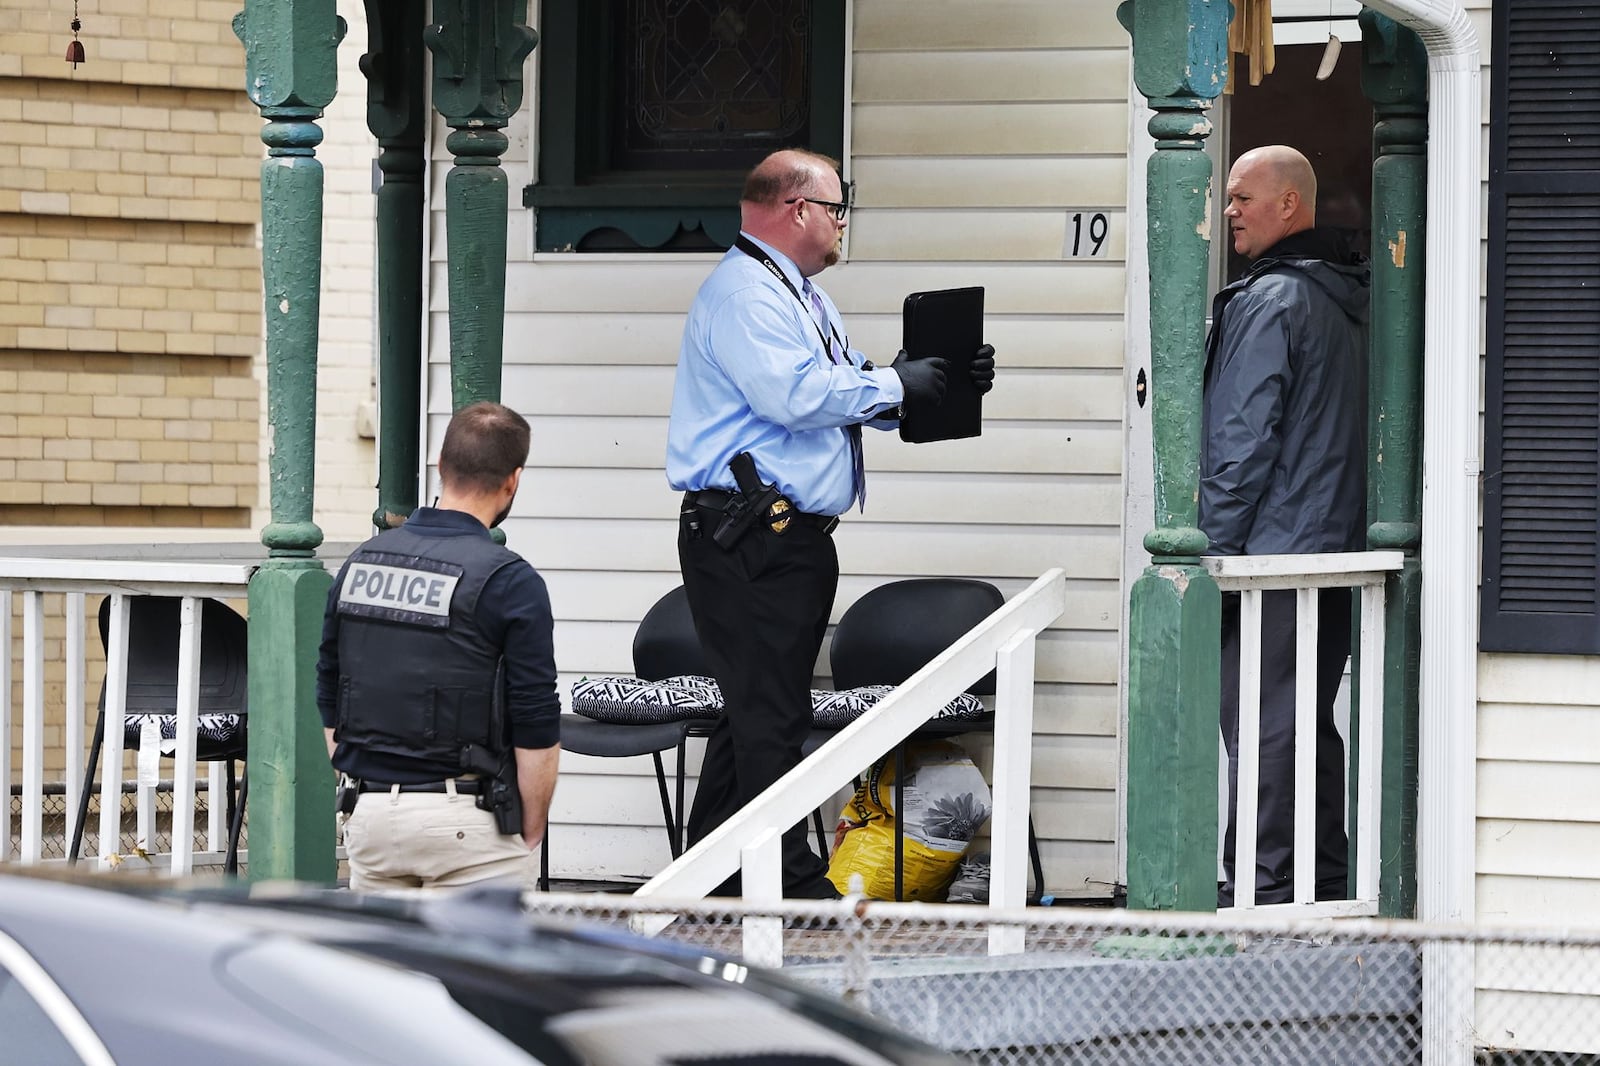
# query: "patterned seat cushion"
x,y
213,731
630,700
835,710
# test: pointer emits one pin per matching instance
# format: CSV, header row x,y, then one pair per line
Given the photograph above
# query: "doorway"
x,y
1329,122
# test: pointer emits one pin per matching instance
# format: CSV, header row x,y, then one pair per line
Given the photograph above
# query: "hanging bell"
x,y
75,46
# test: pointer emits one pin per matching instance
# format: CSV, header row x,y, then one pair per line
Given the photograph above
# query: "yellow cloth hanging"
x,y
1250,34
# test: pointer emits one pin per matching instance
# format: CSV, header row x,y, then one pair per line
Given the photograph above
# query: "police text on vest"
x,y
374,585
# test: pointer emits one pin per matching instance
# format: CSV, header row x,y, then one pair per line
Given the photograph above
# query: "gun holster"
x,y
349,792
753,501
501,797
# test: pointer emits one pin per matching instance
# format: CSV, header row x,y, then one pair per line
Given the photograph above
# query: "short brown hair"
x,y
785,173
483,445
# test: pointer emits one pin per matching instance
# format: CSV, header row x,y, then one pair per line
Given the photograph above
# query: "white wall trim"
x,y
1448,693
1138,469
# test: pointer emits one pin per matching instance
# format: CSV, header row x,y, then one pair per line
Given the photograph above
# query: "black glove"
x,y
922,379
983,369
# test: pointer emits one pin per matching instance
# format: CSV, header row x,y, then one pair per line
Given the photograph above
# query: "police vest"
x,y
417,676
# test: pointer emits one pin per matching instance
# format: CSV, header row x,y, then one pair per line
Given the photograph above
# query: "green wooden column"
x,y
478,47
1394,76
1179,64
290,75
397,116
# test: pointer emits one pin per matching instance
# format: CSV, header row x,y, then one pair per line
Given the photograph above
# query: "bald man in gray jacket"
x,y
1283,471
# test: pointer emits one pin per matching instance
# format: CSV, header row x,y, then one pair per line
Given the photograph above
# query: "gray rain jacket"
x,y
1284,418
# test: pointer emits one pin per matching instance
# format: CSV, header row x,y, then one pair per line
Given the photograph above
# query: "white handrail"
x,y
77,578
1251,575
1001,642
189,570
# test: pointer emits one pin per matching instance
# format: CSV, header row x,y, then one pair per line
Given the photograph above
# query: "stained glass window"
x,y
651,112
711,83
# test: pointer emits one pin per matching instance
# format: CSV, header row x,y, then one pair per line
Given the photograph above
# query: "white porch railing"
x,y
75,577
1004,642
1251,575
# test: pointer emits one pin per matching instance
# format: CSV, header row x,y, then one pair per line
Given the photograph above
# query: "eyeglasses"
x,y
835,207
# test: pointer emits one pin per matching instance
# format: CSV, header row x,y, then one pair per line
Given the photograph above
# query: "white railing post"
x,y
72,662
147,782
1369,767
1012,772
1248,750
761,877
216,809
32,726
1305,746
116,715
183,771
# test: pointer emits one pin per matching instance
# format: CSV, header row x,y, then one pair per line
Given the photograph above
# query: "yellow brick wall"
x,y
130,286
130,275
96,433
123,151
186,43
73,284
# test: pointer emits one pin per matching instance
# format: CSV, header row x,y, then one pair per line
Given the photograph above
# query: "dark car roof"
x,y
163,974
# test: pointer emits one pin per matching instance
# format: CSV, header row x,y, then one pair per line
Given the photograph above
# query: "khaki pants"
x,y
400,839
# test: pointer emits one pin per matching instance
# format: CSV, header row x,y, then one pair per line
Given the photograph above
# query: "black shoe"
x,y
820,888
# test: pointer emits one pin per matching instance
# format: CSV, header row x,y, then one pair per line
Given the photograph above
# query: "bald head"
x,y
1272,193
777,207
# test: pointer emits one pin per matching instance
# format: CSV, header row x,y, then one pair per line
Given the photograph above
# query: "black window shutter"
x,y
1541,521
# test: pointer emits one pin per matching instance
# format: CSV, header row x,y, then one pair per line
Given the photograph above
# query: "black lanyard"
x,y
755,251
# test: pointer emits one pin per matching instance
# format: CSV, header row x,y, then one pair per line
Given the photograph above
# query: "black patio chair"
x,y
624,717
886,636
153,624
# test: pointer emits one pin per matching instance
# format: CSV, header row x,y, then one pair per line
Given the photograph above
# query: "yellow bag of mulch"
x,y
946,803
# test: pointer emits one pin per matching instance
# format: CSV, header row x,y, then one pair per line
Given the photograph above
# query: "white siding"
x,y
1538,789
1538,821
973,141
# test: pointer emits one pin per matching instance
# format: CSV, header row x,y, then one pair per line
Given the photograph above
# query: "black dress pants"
x,y
760,611
1275,802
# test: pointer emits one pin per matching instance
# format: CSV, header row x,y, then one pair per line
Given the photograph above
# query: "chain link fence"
x,y
56,831
1112,987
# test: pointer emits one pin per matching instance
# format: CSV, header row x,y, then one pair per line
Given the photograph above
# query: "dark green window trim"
x,y
578,196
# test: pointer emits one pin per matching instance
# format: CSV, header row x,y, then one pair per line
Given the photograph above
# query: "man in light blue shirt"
x,y
766,372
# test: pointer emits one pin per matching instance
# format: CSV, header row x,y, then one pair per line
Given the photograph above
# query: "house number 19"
x,y
1093,242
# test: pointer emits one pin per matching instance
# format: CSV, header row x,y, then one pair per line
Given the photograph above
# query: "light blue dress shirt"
x,y
754,376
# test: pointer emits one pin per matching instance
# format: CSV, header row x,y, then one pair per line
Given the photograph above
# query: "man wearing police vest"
x,y
437,680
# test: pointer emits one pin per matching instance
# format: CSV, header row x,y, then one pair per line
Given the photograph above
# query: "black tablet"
x,y
947,323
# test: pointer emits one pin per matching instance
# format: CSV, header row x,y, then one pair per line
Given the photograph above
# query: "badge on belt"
x,y
777,516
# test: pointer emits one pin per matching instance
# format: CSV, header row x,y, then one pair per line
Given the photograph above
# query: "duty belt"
x,y
782,513
466,786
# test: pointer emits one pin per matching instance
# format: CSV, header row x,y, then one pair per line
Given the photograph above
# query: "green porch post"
x,y
478,47
397,116
290,76
1179,64
1394,76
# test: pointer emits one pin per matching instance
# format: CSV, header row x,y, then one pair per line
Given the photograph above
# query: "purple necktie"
x,y
853,431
